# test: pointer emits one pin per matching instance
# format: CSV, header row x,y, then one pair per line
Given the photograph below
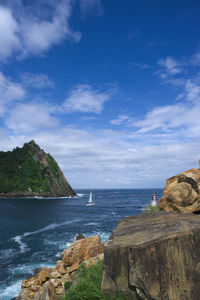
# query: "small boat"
x,y
90,202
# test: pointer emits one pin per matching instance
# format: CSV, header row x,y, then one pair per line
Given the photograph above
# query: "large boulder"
x,y
182,192
48,283
81,251
154,256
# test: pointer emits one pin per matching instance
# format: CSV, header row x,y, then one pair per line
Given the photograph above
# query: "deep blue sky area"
x,y
110,88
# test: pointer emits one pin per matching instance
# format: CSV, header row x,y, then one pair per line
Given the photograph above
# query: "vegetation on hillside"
x,y
20,172
89,285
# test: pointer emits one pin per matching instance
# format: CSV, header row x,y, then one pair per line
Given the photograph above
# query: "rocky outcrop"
x,y
154,256
182,193
30,172
48,284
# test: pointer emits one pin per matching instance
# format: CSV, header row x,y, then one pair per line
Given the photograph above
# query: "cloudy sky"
x,y
110,88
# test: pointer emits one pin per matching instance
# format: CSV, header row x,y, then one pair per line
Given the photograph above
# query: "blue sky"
x,y
110,88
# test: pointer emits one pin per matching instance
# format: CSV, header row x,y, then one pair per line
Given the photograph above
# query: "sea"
x,y
35,231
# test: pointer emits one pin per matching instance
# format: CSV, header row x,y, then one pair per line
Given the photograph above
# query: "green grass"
x,y
89,285
154,208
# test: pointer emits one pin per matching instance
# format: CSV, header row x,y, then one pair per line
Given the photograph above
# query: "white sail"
x,y
90,202
90,198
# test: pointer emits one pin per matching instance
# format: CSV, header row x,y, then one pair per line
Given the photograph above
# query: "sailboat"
x,y
90,202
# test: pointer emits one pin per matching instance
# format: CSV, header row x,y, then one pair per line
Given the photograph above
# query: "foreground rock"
x,y
182,192
48,284
154,256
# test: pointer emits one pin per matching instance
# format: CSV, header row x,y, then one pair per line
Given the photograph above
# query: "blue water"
x,y
34,232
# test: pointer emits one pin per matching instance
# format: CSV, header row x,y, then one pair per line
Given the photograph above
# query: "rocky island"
x,y
30,172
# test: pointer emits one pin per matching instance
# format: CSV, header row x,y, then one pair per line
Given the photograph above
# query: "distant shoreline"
x,y
32,195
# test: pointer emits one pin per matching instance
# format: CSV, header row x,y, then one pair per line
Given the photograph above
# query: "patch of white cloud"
x,y
30,117
170,67
10,92
83,98
122,119
8,33
192,91
38,81
26,31
91,159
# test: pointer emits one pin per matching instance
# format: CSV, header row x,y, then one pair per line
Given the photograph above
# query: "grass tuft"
x,y
89,285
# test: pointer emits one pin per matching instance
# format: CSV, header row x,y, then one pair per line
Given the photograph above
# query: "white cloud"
x,y
9,93
30,117
26,33
93,159
38,36
8,33
83,98
170,67
192,91
122,119
38,81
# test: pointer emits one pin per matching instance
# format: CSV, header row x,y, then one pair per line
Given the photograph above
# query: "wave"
x,y
6,293
104,235
80,195
7,253
24,247
92,224
20,270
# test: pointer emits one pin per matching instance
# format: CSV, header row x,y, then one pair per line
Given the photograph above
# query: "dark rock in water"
x,y
30,172
182,193
80,236
155,256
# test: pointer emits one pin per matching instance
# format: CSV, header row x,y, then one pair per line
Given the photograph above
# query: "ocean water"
x,y
34,232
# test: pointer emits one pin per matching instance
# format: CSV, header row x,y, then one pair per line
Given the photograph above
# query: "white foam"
x,y
113,213
80,195
23,246
6,293
29,268
104,235
92,224
7,253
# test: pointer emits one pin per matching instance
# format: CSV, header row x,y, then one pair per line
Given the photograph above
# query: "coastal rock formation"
x,y
48,283
29,172
182,193
154,256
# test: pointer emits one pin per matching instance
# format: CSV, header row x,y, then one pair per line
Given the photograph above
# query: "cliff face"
x,y
29,171
154,256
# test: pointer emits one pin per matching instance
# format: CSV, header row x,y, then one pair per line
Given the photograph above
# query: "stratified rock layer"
x,y
48,283
155,256
182,192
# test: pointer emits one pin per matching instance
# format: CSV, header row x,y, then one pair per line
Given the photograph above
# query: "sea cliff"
x,y
30,172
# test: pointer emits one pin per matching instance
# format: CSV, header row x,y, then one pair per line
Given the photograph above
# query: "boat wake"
x,y
24,247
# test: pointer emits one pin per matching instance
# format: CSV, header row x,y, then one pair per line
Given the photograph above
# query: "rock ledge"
x,y
155,256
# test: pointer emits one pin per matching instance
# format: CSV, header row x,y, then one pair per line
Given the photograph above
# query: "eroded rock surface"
x,y
48,283
155,256
182,193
